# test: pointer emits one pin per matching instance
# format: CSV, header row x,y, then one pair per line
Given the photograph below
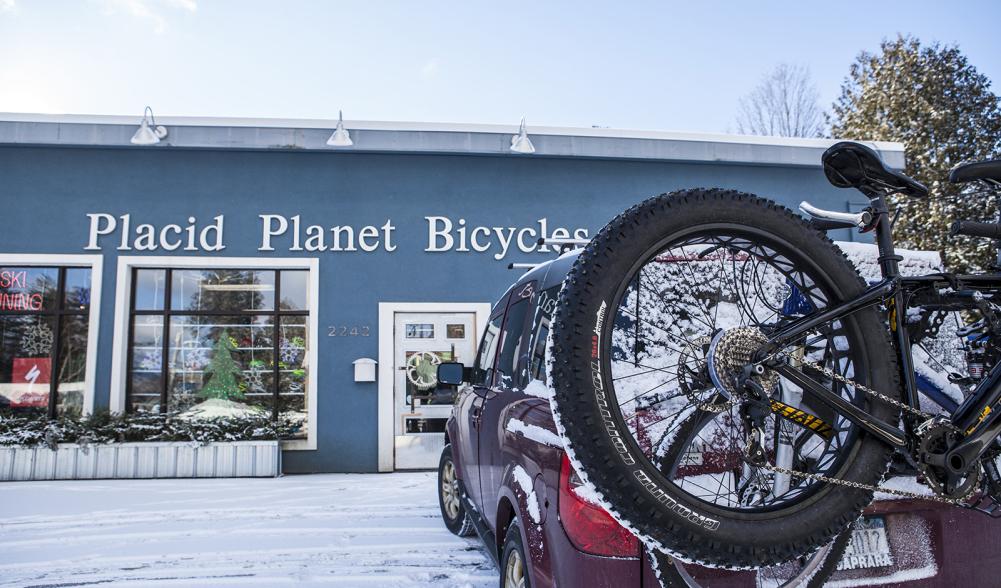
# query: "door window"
x,y
420,330
514,346
483,372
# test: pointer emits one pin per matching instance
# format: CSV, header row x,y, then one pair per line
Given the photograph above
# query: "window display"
x,y
217,343
44,322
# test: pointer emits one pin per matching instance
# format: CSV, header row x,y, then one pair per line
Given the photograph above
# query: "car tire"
x,y
453,511
514,560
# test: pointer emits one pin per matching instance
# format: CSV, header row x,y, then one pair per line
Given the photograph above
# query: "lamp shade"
x,y
148,133
144,135
340,137
520,143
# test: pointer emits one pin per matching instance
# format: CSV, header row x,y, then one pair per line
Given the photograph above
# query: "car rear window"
x,y
544,311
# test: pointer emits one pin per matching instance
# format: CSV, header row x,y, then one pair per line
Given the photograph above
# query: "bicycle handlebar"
x,y
975,229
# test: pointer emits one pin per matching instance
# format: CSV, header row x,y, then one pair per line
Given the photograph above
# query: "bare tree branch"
x,y
784,104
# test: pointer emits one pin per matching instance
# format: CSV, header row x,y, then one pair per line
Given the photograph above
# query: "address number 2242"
x,y
347,331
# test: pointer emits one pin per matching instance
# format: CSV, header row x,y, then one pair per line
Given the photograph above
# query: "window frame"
x,y
542,319
483,376
96,265
167,313
519,352
120,342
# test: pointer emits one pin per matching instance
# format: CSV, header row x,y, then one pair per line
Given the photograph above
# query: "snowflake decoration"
x,y
195,359
37,340
150,361
288,352
254,379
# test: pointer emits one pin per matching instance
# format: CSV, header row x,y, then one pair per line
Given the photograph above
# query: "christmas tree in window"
x,y
223,372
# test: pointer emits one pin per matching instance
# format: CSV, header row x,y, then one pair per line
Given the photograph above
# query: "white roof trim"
x,y
429,137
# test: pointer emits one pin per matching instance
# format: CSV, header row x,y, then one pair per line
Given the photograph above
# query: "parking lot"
x,y
331,530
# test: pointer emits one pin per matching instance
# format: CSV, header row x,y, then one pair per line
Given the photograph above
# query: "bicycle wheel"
x,y
686,450
656,320
811,571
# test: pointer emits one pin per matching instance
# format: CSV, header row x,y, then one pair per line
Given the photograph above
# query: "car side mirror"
x,y
452,373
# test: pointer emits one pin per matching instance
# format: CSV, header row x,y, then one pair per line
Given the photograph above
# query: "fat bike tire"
x,y
607,453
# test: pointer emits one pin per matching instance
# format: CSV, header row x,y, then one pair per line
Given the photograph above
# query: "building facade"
x,y
245,266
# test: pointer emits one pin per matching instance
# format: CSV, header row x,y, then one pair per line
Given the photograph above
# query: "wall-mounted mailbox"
x,y
365,369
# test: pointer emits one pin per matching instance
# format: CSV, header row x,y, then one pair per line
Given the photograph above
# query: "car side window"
x,y
544,312
513,345
483,372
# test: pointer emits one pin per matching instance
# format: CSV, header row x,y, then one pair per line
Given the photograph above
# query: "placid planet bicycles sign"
x,y
293,233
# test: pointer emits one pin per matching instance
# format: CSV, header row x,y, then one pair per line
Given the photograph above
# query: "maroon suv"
x,y
504,474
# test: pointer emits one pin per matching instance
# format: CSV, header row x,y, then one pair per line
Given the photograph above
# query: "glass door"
x,y
422,341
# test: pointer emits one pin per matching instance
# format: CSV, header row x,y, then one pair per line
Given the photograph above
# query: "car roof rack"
x,y
563,245
524,266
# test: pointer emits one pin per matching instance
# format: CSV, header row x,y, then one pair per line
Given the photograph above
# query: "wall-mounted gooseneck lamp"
x,y
149,133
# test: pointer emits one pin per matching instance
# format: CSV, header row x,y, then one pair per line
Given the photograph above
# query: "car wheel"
x,y
453,512
514,561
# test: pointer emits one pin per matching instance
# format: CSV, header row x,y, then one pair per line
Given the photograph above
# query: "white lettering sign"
x,y
146,237
277,231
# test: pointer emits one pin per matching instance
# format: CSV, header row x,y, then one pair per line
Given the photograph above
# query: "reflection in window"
x,y
419,330
544,311
482,374
44,324
455,331
216,343
512,344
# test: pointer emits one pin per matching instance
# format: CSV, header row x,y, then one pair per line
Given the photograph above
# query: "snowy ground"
x,y
331,530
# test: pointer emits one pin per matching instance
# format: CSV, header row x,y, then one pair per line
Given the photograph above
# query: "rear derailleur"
x,y
753,412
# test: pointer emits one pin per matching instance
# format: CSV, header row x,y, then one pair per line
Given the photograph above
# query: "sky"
x,y
633,65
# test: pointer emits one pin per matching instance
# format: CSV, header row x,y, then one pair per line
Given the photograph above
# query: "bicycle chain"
x,y
887,399
959,501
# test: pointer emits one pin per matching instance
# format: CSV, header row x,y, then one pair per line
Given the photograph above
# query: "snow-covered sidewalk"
x,y
332,530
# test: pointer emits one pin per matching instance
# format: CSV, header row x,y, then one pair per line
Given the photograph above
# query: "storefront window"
x,y
235,343
44,321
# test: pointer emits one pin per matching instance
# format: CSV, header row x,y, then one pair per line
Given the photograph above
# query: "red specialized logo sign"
x,y
31,371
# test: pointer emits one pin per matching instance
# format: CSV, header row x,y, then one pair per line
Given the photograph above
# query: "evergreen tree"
x,y
223,372
931,99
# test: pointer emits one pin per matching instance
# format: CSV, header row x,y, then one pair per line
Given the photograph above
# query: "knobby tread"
x,y
577,416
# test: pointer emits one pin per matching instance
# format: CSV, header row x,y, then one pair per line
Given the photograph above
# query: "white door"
x,y
422,340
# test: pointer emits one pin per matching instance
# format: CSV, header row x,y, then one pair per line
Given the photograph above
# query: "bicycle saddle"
x,y
980,170
853,165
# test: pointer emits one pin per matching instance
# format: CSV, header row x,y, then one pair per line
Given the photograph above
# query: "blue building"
x,y
333,275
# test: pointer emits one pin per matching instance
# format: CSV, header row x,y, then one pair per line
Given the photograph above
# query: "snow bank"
x,y
214,408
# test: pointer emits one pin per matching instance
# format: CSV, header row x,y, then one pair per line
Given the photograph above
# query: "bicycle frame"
x,y
977,417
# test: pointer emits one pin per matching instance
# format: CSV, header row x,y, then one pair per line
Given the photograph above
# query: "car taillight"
x,y
589,527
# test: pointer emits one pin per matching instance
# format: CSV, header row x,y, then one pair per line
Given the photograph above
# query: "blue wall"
x,y
46,193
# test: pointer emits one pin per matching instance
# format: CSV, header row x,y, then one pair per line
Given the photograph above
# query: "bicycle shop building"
x,y
328,271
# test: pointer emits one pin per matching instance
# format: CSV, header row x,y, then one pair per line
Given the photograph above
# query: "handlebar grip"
x,y
975,229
